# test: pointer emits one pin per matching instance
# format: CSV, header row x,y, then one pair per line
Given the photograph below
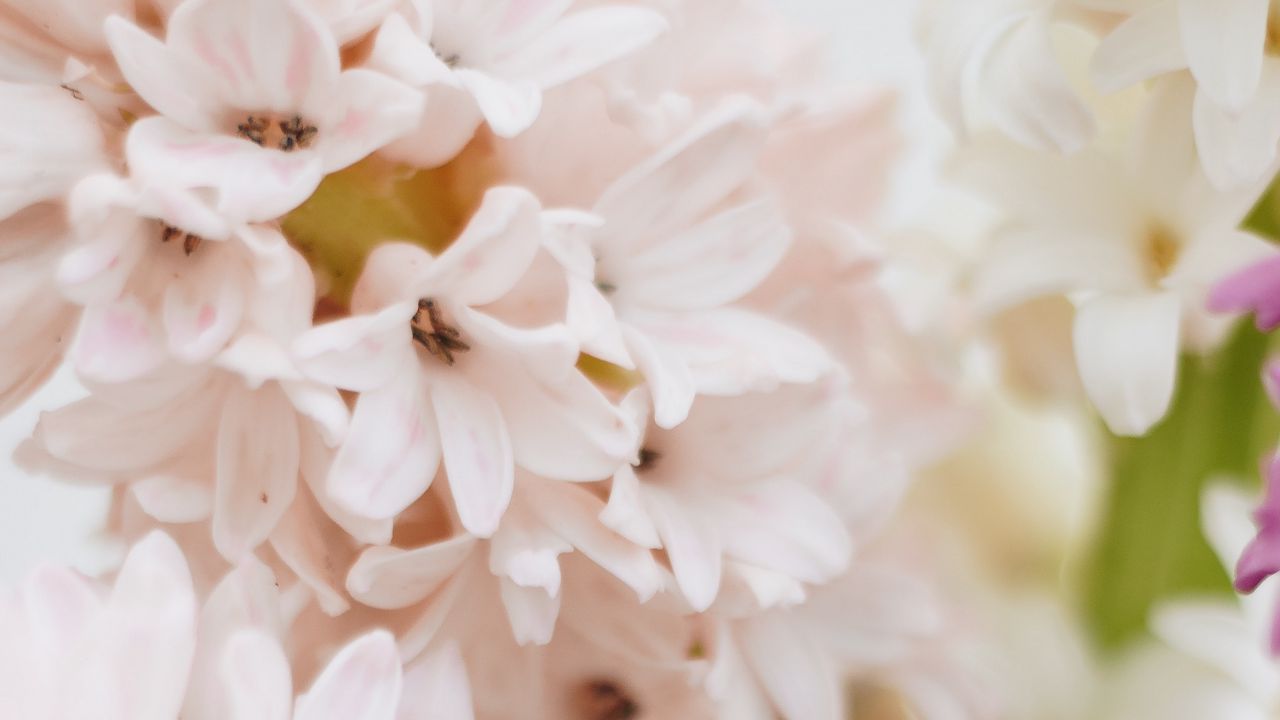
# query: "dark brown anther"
x,y
433,333
190,243
605,700
647,459
296,133
254,129
286,135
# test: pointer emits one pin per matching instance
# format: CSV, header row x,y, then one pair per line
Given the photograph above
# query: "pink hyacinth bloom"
x,y
254,105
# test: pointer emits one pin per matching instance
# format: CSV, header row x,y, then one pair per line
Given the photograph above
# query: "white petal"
x,y
707,163
436,688
1239,148
494,251
574,513
173,499
667,375
713,263
509,107
203,306
793,669
360,353
1027,91
369,112
1224,43
1127,351
531,611
1217,633
584,41
267,57
690,543
1145,45
567,430
477,452
590,317
732,351
785,527
402,54
258,460
252,184
362,682
391,451
256,673
388,578
315,551
170,82
118,342
43,165
625,513
147,637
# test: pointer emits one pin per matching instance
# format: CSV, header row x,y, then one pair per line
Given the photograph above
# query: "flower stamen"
x,y
647,459
433,333
605,700
190,243
287,135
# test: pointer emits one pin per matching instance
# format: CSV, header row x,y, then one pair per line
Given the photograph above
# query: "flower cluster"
x,y
465,358
1125,197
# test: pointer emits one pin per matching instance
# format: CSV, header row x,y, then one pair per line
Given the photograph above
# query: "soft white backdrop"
x,y
870,44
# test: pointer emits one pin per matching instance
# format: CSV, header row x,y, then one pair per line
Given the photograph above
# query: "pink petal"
x,y
257,469
360,353
574,513
37,166
711,264
437,684
251,183
370,111
531,611
667,376
389,578
566,430
362,682
391,452
259,682
203,306
262,55
794,670
691,545
584,41
510,108
169,81
477,452
1255,289
732,351
495,250
706,163
118,342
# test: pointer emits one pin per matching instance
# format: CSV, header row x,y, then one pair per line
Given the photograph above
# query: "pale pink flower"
x,y
546,520
652,286
239,421
254,105
443,375
37,170
73,650
491,62
728,494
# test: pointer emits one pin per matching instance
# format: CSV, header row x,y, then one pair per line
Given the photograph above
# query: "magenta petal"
x,y
1256,289
1261,558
